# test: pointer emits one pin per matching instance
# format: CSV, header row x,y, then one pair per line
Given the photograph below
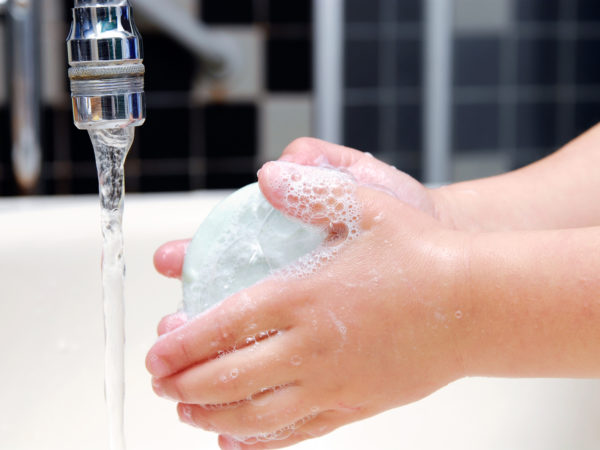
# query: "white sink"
x,y
51,345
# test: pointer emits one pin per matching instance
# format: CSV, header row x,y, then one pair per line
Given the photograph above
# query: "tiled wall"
x,y
526,80
198,134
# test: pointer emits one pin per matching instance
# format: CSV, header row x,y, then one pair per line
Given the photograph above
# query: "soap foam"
x,y
321,196
278,435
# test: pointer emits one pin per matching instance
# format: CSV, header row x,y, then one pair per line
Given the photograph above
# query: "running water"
x,y
111,147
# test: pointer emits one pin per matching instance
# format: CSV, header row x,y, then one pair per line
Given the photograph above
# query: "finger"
x,y
315,152
168,259
366,169
275,415
324,423
171,322
312,194
237,375
255,311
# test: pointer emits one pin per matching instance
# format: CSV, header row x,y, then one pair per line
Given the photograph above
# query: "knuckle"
x,y
224,331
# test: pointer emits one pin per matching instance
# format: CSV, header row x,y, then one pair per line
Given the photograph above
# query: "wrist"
x,y
446,207
456,308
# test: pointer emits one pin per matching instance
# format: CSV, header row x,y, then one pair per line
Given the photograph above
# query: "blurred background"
x,y
524,74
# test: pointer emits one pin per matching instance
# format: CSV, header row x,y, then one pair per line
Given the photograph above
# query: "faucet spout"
x,y
107,72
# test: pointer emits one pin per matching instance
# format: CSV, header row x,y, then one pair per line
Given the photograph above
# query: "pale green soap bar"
x,y
242,241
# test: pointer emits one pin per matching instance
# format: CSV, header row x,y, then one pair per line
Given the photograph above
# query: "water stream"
x,y
111,147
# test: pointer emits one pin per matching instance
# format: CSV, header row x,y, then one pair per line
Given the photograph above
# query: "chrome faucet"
x,y
107,74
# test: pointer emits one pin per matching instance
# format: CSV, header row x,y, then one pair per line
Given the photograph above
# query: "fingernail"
x,y
157,388
287,158
186,414
157,366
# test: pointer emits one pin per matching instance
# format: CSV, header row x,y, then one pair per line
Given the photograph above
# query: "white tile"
x,y
246,83
283,119
489,16
469,166
145,25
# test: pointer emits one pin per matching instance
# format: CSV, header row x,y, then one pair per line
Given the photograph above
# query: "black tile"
x,y
215,180
409,10
8,185
230,130
537,61
289,65
166,134
84,185
362,11
169,66
67,10
588,10
227,11
47,131
536,125
295,11
408,127
587,61
537,10
477,61
362,64
526,156
5,136
80,145
164,183
476,127
361,128
587,114
409,60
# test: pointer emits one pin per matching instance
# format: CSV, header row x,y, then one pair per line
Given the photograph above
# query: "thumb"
x,y
315,195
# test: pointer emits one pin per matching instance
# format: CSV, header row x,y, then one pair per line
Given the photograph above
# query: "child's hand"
x,y
290,359
366,169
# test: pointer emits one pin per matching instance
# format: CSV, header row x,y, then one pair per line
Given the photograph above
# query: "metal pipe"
x,y
437,135
25,92
328,48
218,51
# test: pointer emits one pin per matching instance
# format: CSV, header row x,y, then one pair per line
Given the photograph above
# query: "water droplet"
x,y
458,314
296,360
234,373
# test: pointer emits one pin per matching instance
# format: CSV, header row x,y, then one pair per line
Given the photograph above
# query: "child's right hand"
x,y
373,328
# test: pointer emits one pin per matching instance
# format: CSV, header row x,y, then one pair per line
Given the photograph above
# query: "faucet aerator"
x,y
107,74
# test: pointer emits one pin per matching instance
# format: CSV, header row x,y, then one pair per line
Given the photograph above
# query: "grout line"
x,y
566,60
387,76
508,92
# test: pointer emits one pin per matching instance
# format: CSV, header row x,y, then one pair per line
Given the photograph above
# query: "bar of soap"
x,y
242,241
